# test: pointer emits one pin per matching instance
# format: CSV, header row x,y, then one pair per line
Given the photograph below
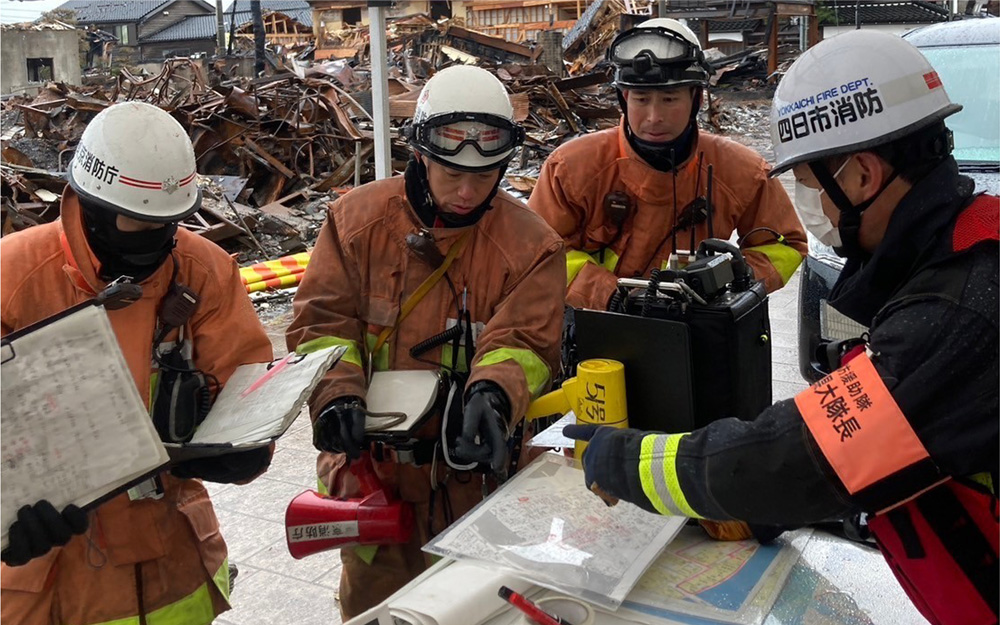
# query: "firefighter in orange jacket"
x,y
622,198
504,288
154,554
907,429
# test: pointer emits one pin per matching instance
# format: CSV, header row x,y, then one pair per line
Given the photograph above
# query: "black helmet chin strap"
x,y
418,193
663,156
850,214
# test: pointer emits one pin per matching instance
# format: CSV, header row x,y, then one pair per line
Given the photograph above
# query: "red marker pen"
x,y
530,610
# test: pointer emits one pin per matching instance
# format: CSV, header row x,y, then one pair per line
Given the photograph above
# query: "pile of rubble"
x,y
272,151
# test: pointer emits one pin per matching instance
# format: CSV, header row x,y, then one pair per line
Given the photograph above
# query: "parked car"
x,y
966,55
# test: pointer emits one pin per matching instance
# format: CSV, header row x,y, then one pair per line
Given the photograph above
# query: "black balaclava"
x,y
134,254
418,192
658,154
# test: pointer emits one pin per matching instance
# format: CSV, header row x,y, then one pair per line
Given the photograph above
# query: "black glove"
x,y
235,468
611,461
487,411
341,427
38,529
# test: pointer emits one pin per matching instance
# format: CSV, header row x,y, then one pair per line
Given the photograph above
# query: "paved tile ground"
x,y
273,588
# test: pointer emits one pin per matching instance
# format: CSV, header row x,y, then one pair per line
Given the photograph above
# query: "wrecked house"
x,y
524,20
34,54
133,22
286,22
273,150
893,17
517,21
283,25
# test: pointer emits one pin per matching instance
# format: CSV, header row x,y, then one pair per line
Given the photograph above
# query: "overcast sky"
x,y
12,11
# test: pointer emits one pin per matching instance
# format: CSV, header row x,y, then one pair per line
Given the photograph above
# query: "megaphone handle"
x,y
364,470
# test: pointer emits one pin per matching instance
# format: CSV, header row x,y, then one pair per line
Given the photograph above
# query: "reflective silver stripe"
x,y
658,470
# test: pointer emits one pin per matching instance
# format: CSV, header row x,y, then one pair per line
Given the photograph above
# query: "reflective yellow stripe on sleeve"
x,y
221,579
576,259
985,480
536,372
194,609
658,475
352,355
381,360
785,258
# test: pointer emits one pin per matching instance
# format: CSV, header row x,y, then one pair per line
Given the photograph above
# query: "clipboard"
x,y
257,405
400,402
74,429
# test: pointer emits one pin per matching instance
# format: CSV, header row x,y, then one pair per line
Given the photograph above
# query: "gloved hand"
x,y
726,530
239,467
611,470
341,427
487,412
38,529
611,462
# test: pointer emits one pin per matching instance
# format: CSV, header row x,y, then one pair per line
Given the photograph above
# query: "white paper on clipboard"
x,y
258,405
74,427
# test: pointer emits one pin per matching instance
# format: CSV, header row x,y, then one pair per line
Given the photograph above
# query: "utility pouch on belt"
x,y
400,404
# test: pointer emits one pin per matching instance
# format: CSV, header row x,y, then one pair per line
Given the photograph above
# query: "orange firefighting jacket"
x,y
510,273
578,177
170,548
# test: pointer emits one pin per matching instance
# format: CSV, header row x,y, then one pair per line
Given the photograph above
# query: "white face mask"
x,y
809,203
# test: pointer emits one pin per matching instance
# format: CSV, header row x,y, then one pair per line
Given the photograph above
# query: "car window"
x,y
969,74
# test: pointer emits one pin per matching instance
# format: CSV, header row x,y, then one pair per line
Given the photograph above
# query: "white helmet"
x,y
464,120
851,93
137,160
658,53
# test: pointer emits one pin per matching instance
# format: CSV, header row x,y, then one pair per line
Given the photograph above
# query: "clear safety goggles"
x,y
648,52
447,135
660,45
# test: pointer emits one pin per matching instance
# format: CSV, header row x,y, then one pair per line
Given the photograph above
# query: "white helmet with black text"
x,y
860,91
851,93
136,160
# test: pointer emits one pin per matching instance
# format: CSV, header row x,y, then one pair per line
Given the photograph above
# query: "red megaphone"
x,y
315,522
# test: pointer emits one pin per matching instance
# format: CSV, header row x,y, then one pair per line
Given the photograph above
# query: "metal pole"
x,y
232,28
357,163
220,30
661,8
380,90
258,38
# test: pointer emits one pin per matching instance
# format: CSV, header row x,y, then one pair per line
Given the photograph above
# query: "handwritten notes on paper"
x,y
74,427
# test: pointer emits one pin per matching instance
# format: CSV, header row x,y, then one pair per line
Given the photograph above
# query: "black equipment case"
x,y
696,343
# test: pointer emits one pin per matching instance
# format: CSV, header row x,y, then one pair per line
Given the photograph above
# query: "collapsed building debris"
x,y
273,151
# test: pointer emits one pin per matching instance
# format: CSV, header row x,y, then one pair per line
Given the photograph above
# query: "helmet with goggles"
x,y
464,120
656,54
